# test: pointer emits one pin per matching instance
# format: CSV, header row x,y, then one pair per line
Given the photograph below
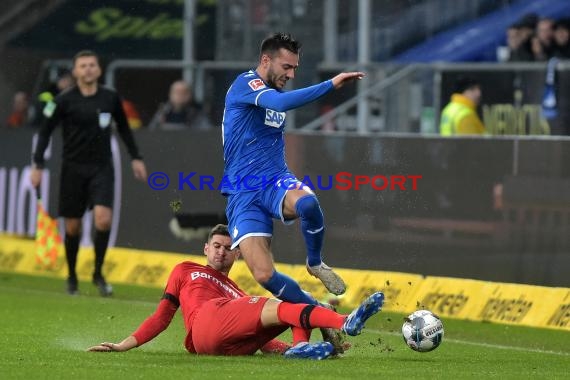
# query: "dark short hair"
x,y
528,20
220,229
563,23
465,83
276,41
85,53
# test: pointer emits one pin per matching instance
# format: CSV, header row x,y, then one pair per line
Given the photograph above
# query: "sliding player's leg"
x,y
231,327
315,316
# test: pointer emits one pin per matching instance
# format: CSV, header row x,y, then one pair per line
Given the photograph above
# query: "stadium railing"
x,y
408,99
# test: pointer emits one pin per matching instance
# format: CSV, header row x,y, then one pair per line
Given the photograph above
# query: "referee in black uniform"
x,y
87,181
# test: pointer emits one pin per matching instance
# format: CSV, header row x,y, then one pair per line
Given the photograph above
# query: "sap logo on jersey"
x,y
274,119
256,84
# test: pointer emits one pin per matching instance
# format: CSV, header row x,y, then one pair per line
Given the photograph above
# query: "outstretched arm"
x,y
285,101
125,345
148,330
343,78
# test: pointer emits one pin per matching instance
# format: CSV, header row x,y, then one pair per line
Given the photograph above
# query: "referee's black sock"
x,y
71,249
100,242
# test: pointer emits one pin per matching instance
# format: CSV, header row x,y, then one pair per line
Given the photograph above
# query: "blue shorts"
x,y
251,213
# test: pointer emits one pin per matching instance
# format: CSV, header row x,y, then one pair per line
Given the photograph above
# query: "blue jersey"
x,y
252,128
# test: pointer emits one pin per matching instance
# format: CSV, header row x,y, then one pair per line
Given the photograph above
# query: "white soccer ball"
x,y
422,331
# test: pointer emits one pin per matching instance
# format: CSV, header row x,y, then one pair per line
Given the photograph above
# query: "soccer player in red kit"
x,y
220,319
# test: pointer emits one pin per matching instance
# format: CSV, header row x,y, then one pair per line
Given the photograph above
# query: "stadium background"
x,y
488,209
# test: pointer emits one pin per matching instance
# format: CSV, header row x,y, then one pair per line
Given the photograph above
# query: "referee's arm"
x,y
44,134
138,166
124,129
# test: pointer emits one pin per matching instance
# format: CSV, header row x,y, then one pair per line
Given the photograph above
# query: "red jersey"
x,y
189,286
193,284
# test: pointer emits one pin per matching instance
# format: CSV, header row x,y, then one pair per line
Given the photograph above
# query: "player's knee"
x,y
72,231
308,207
72,227
103,225
262,276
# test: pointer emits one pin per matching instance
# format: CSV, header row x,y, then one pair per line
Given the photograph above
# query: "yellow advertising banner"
x,y
524,305
398,288
560,317
448,297
18,255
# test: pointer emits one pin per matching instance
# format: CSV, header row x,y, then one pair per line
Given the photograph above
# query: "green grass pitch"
x,y
44,334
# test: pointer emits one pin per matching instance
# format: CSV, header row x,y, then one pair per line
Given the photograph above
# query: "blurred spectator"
x,y
519,36
562,39
19,116
543,43
133,116
518,42
64,81
460,117
180,111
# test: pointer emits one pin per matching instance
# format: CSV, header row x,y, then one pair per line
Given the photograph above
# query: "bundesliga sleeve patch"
x,y
49,109
256,84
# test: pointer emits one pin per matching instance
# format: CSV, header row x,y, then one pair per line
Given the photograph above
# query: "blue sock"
x,y
286,289
312,227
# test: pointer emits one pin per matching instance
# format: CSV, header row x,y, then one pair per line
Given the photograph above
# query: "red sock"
x,y
318,316
300,335
323,317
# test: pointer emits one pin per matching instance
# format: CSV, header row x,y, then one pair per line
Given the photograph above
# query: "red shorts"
x,y
225,326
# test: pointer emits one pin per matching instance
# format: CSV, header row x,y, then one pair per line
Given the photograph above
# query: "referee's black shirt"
x,y
86,122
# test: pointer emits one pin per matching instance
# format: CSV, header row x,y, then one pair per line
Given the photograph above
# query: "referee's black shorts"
x,y
83,186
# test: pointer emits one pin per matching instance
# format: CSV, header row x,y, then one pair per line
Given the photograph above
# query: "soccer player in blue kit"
x,y
257,181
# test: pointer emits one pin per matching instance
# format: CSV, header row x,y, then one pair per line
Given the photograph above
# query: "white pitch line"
x,y
486,345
